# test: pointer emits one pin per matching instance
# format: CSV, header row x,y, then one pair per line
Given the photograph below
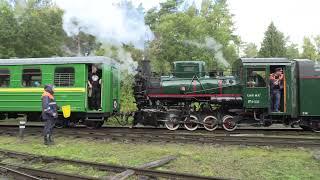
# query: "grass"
x,y
223,161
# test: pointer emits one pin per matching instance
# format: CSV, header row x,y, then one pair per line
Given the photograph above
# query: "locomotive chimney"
x,y
146,69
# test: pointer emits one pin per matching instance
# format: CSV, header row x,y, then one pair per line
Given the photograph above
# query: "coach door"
x,y
95,85
256,93
284,91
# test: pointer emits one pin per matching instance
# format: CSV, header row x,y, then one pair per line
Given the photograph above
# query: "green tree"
x,y
293,51
273,44
251,50
230,53
309,49
192,35
219,23
81,44
8,30
152,17
30,29
40,30
127,97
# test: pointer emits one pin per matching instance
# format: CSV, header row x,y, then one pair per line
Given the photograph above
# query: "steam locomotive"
x,y
191,97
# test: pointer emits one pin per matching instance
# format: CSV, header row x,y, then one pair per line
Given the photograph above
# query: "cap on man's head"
x,y
48,87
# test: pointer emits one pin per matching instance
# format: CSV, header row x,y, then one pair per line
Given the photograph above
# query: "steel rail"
x,y
101,166
17,174
46,173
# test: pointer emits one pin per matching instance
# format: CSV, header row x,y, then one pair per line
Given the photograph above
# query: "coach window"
x,y
256,77
4,78
31,77
64,77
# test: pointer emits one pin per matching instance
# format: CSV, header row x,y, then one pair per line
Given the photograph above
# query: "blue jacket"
x,y
49,105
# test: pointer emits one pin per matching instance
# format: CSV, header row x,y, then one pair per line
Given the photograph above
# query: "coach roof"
x,y
265,61
60,60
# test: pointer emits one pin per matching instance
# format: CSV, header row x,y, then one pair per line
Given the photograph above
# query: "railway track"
x,y
156,135
243,130
23,172
9,172
32,173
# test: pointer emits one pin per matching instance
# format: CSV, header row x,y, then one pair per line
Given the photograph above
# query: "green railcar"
x,y
22,82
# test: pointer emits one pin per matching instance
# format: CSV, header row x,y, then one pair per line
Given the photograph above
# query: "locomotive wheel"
x,y
94,124
210,123
191,123
172,124
228,123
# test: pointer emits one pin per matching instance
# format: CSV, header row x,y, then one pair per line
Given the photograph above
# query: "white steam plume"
x,y
212,45
111,22
125,58
107,20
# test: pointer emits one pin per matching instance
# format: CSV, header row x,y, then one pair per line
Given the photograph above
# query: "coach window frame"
x,y
31,81
8,78
64,67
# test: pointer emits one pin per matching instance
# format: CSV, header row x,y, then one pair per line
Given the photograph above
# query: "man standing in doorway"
x,y
49,113
276,86
94,83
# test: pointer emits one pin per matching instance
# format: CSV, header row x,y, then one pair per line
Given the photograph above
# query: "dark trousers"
x,y
275,99
48,126
95,101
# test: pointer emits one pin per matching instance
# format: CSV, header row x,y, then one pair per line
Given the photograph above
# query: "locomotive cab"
x,y
258,87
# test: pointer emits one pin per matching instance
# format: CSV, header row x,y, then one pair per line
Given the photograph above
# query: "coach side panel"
x,y
23,91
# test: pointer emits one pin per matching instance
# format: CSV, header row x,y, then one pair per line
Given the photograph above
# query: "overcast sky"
x,y
295,18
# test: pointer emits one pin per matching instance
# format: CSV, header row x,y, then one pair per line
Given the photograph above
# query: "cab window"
x,y
256,77
64,77
4,78
31,77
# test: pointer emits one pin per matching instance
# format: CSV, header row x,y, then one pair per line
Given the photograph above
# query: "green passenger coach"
x,y
22,82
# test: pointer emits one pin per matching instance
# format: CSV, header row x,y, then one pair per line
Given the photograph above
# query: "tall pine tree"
x,y
274,44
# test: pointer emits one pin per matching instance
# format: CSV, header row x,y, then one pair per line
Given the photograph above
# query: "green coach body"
x,y
22,82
